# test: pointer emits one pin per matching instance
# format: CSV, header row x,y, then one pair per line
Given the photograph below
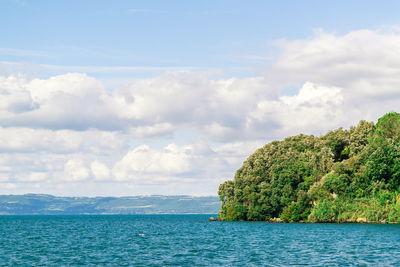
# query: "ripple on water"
x,y
188,240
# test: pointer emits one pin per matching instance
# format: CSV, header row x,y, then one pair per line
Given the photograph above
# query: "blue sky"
x,y
235,36
170,97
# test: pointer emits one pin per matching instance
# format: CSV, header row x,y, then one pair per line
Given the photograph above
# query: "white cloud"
x,y
71,101
70,127
28,140
143,167
4,177
75,170
71,84
149,107
141,161
315,109
100,170
172,97
164,129
364,62
197,161
7,186
32,177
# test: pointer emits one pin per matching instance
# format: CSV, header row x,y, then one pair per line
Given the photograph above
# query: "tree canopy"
x,y
342,176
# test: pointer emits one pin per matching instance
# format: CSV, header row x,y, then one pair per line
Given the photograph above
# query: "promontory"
x,y
346,175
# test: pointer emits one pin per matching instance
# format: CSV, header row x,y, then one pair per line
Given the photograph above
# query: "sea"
x,y
191,240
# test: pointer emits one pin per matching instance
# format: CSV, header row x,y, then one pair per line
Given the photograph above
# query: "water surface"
x,y
188,240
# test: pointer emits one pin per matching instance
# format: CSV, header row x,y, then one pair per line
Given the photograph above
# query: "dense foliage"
x,y
343,176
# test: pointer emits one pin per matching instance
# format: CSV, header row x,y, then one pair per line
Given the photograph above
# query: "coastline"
x,y
278,220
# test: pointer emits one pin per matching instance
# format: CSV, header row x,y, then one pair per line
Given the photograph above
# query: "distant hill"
x,y
38,204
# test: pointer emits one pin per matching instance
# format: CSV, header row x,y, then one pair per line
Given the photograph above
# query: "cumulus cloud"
x,y
364,62
100,170
143,161
164,129
180,166
75,170
29,140
150,107
315,109
190,161
71,126
71,101
334,72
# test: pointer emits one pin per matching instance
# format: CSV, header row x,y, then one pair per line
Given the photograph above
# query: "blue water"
x,y
190,240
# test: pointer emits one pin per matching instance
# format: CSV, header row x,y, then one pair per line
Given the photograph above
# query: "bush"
x,y
324,211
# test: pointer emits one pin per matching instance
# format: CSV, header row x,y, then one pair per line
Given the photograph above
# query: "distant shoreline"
x,y
32,204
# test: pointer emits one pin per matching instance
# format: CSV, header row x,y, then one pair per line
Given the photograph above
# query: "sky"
x,y
118,98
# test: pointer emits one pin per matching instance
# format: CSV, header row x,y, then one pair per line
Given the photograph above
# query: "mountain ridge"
x,y
46,204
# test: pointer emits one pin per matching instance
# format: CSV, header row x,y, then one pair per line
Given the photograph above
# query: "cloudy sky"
x,y
112,98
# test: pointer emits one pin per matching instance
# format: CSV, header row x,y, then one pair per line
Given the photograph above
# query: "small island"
x,y
343,176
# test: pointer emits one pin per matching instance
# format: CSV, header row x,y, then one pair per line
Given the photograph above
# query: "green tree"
x,y
339,176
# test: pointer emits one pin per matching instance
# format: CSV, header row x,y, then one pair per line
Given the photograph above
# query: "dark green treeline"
x,y
343,176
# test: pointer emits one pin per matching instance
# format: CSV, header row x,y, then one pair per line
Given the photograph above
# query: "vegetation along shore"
x,y
343,176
